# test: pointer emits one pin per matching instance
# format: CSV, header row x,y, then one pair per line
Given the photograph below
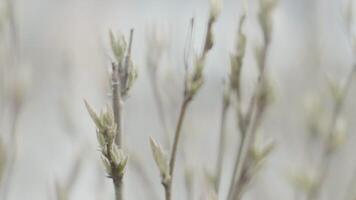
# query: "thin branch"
x,y
250,122
117,102
325,160
168,185
120,85
222,140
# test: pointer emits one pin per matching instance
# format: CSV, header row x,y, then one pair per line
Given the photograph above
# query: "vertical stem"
x,y
324,163
177,135
248,125
245,150
168,184
116,177
219,163
167,191
119,82
117,103
233,177
118,189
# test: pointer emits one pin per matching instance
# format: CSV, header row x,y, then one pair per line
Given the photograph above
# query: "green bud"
x,y
161,159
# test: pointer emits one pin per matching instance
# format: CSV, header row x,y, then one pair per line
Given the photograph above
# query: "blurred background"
x,y
54,54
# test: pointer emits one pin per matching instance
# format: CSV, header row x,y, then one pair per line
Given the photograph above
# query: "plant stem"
x,y
116,177
242,154
168,184
324,163
247,141
233,177
220,159
248,124
177,135
117,101
167,190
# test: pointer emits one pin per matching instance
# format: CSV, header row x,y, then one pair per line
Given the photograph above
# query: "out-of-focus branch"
x,y
222,139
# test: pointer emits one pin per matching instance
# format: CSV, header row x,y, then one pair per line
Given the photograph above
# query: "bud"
x,y
124,72
132,76
305,180
161,159
237,58
107,165
265,17
105,125
215,9
335,89
118,46
93,115
338,138
119,158
261,149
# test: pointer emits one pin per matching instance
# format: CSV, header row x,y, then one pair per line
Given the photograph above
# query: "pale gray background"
x,y
62,48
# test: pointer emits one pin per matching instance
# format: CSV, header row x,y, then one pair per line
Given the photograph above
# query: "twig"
x,y
117,88
325,160
249,122
168,185
192,84
109,122
220,159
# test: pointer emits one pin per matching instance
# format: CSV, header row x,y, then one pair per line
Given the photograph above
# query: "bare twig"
x,y
222,135
324,163
192,84
250,122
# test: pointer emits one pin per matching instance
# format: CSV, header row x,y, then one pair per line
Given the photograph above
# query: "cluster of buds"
x,y
317,126
261,149
124,72
114,158
196,80
236,59
256,159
